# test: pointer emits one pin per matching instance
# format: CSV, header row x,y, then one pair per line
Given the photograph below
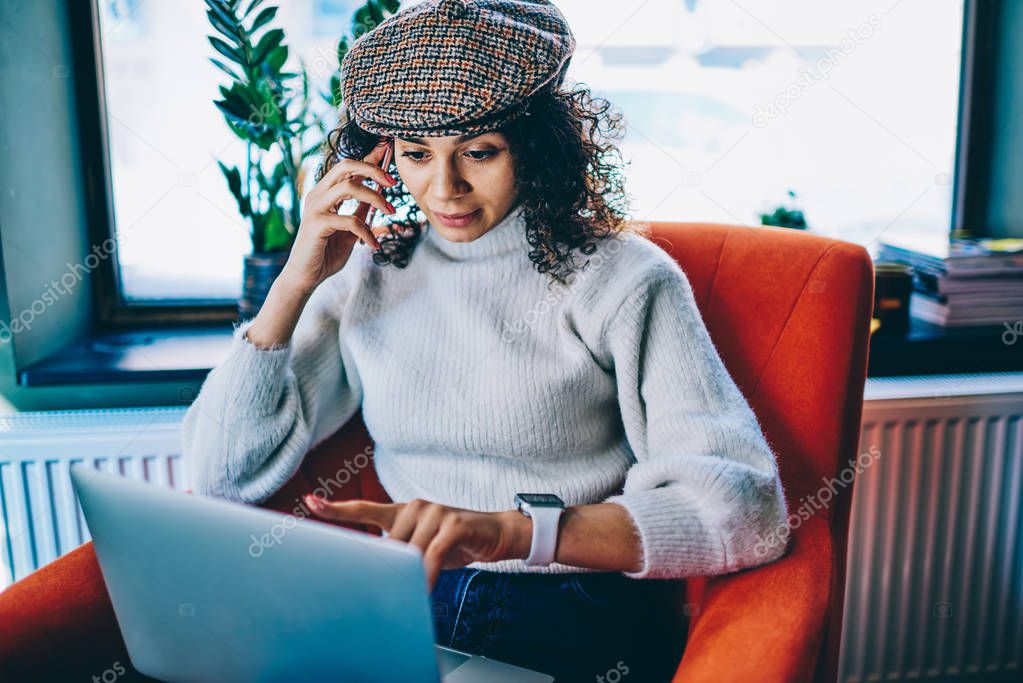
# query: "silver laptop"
x,y
209,590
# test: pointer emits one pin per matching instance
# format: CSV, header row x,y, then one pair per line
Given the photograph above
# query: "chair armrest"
x,y
765,623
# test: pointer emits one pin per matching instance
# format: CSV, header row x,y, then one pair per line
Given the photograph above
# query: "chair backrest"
x,y
789,313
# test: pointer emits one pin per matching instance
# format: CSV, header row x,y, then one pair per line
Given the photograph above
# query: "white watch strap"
x,y
545,535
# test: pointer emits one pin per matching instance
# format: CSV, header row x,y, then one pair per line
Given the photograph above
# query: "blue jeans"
x,y
582,626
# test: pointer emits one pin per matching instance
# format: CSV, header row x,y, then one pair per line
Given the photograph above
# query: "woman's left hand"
x,y
448,537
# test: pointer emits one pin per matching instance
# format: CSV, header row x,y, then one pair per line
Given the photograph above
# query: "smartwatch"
x,y
545,510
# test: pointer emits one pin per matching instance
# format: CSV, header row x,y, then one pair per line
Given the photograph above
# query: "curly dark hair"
x,y
568,178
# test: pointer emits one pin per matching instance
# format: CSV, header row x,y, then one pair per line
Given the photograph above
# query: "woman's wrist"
x,y
520,533
279,314
295,284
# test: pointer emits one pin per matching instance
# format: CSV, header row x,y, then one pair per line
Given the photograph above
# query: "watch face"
x,y
540,499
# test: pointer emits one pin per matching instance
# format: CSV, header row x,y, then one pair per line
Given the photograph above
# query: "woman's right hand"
x,y
325,239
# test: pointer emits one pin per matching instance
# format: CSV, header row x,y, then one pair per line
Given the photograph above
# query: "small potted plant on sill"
x,y
785,216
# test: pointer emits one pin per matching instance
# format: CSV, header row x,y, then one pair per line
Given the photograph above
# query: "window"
x,y
179,233
733,103
730,104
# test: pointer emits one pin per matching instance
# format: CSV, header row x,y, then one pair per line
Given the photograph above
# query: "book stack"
x,y
959,281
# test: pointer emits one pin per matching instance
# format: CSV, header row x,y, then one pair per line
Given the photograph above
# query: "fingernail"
x,y
391,178
390,206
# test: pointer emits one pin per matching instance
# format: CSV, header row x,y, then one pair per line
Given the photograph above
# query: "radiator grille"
x,y
934,589
41,518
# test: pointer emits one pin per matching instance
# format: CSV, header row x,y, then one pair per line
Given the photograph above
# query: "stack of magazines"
x,y
959,281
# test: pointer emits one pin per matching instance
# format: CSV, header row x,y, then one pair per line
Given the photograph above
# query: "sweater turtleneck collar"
x,y
509,234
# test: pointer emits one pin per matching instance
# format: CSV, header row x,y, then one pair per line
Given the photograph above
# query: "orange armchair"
x,y
789,313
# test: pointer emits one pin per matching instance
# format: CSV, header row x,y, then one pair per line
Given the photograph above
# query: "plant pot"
x,y
893,286
261,269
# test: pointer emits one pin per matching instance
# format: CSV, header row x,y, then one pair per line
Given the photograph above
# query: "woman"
x,y
534,345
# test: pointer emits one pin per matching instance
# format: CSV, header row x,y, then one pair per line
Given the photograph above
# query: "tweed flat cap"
x,y
454,67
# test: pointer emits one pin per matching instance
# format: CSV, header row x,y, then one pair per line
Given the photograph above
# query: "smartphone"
x,y
384,163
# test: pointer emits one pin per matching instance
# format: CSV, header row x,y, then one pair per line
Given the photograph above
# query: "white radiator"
x,y
41,519
934,586
934,589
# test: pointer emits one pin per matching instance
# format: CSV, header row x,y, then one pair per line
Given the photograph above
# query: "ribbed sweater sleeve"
x,y
260,410
704,490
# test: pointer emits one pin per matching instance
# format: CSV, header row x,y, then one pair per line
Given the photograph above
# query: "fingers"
x,y
356,190
353,225
419,523
405,522
369,167
427,527
425,530
359,511
437,551
329,200
350,169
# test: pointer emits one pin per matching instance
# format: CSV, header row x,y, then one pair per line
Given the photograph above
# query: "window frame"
x,y
112,311
975,127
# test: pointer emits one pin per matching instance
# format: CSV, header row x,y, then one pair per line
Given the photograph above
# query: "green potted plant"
x,y
262,106
785,216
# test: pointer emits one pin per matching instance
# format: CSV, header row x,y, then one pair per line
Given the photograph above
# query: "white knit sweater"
x,y
477,381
